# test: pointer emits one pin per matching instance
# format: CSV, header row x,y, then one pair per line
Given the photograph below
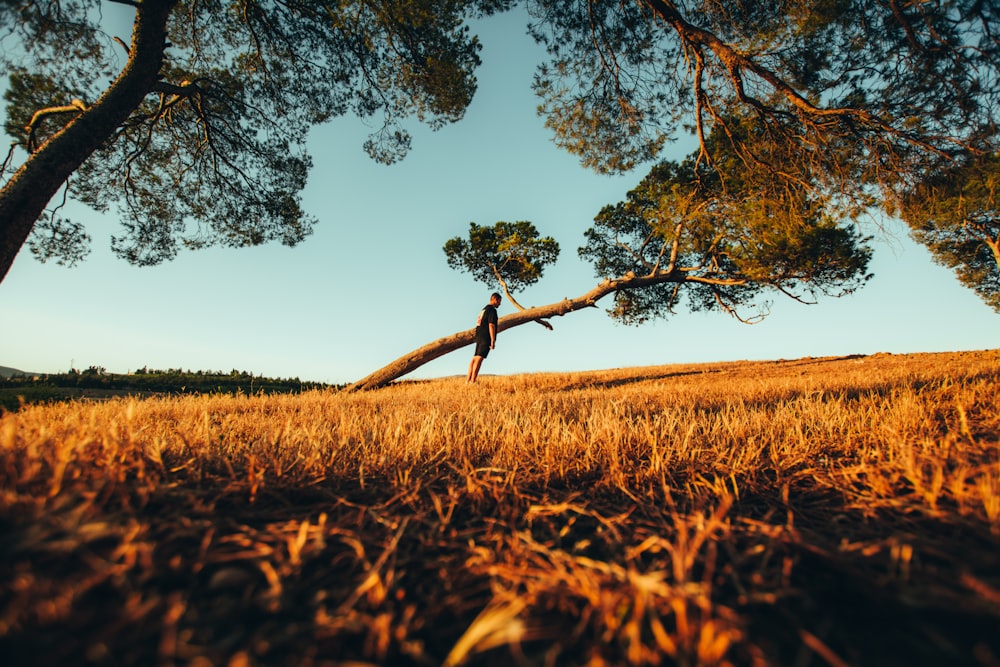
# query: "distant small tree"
x,y
509,254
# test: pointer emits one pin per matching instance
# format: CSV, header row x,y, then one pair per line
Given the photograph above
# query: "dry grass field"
x,y
833,511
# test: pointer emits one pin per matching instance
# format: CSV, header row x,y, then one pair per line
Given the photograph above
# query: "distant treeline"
x,y
96,382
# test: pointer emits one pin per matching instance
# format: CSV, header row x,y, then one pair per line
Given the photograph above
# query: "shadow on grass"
x,y
392,574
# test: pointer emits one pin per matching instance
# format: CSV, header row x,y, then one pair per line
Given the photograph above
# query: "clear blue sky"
x,y
372,283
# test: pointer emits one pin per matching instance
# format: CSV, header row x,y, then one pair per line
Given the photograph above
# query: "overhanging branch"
x,y
737,64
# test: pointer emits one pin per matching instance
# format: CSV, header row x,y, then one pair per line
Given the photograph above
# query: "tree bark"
x,y
442,346
24,198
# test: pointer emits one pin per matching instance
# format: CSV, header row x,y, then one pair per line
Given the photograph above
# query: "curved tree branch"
x,y
74,107
510,297
422,355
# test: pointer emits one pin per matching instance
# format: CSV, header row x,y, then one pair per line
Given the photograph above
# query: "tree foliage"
x,y
862,101
509,254
201,137
888,84
954,213
724,240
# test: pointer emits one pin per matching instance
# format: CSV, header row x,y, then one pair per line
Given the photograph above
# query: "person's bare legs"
x,y
474,367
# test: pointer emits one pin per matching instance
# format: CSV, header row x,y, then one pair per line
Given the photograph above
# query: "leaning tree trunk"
x,y
24,198
417,358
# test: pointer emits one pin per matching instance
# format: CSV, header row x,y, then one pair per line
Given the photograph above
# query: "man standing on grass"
x,y
486,335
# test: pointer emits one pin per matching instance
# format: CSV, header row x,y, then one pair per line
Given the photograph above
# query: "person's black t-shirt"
x,y
486,316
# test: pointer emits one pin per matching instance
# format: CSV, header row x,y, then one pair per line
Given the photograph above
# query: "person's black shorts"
x,y
482,348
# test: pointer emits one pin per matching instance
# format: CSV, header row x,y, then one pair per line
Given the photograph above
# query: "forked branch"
x,y
510,297
75,107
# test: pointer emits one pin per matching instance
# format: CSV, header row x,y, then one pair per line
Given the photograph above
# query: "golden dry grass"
x,y
838,511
